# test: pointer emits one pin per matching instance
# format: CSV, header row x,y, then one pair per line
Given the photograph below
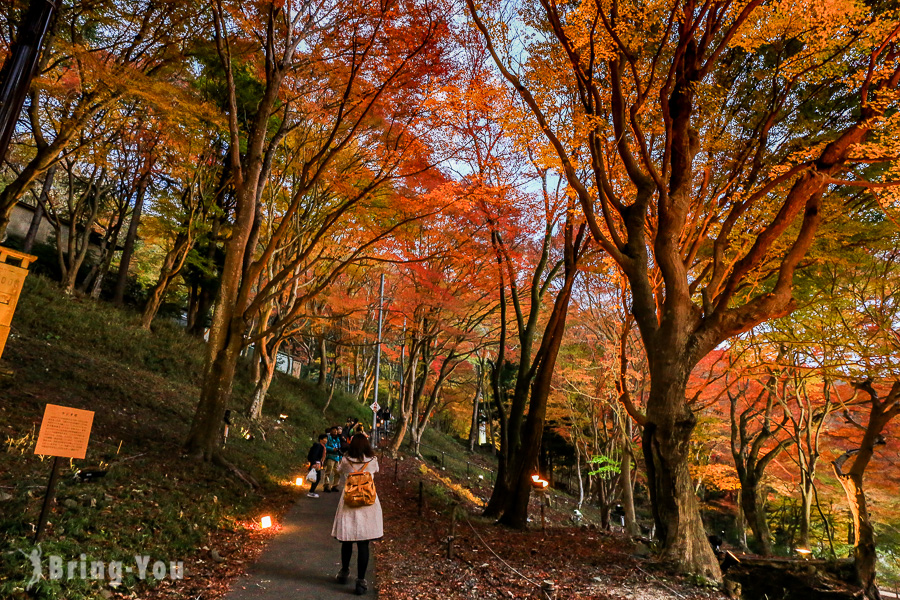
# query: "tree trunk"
x,y
323,362
40,163
407,400
256,368
205,437
515,513
75,256
631,527
106,254
580,480
420,423
268,358
171,267
806,500
500,493
131,236
753,505
476,405
666,442
38,216
864,555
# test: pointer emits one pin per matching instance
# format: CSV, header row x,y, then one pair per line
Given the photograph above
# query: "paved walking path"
x,y
300,563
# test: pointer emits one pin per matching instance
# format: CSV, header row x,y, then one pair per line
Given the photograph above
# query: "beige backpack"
x,y
360,488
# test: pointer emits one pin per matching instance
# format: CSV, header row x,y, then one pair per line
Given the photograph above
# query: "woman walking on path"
x,y
361,524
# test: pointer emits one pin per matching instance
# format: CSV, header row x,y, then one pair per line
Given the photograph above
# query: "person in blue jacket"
x,y
333,453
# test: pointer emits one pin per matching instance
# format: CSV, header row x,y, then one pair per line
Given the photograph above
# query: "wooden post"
x,y
396,467
48,498
543,520
467,470
549,589
443,460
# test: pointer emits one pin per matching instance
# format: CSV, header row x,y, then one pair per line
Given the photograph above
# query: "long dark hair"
x,y
360,447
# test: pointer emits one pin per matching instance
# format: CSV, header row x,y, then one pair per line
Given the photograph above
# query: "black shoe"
x,y
361,587
343,575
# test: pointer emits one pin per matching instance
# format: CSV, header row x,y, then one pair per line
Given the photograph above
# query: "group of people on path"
x,y
339,454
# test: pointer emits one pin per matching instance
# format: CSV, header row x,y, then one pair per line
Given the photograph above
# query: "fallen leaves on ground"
x,y
493,562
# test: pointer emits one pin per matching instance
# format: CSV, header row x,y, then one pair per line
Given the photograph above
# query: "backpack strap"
x,y
364,465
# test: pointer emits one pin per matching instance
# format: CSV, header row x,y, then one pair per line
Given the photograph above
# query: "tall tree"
x,y
699,144
335,90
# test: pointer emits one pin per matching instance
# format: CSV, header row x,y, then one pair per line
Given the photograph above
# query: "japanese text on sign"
x,y
64,432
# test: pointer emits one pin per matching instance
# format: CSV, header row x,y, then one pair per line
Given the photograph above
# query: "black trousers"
x,y
315,484
362,561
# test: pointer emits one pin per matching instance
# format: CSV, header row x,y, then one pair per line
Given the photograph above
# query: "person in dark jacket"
x,y
316,457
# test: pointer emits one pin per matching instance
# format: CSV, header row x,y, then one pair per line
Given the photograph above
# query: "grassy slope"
x,y
143,388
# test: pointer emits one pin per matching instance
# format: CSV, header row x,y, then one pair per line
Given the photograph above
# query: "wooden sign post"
x,y
12,278
65,433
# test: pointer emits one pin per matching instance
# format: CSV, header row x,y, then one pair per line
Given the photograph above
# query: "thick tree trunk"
x,y
864,556
666,441
515,513
753,504
205,437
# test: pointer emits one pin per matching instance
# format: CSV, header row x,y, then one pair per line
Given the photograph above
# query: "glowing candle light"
x,y
265,522
299,481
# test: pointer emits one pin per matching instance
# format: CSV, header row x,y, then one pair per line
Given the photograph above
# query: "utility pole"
x,y
21,65
378,359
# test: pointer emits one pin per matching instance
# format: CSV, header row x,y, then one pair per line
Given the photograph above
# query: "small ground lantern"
x,y
540,486
299,481
265,522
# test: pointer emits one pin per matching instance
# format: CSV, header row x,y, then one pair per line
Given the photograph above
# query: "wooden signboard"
x,y
12,277
64,432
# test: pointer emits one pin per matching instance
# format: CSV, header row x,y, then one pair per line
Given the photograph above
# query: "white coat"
x,y
363,522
